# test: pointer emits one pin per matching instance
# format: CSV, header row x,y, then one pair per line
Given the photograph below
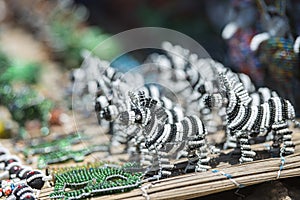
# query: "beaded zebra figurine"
x,y
245,121
173,112
196,78
110,101
243,86
159,137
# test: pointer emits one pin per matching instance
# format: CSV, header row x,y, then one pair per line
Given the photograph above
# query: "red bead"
x,y
7,192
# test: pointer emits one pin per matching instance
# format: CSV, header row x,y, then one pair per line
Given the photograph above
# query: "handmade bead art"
x,y
106,108
59,144
157,133
202,80
62,156
245,121
166,117
24,192
90,181
23,182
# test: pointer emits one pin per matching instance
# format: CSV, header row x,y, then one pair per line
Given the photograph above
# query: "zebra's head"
x,y
135,116
139,109
225,85
214,100
109,113
105,110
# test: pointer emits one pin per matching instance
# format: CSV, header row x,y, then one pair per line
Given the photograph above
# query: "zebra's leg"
x,y
203,162
181,154
146,159
284,135
246,153
161,161
164,164
277,140
193,158
288,145
197,155
231,141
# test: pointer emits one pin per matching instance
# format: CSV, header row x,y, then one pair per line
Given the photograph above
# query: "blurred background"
x,y
204,21
41,41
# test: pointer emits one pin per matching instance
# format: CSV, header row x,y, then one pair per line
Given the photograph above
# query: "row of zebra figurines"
x,y
245,111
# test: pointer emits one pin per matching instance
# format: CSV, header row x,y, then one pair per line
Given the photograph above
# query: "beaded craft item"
x,y
22,179
92,181
278,50
245,121
62,156
59,144
200,75
159,137
26,105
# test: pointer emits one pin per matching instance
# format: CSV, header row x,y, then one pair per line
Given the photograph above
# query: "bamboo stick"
x,y
194,185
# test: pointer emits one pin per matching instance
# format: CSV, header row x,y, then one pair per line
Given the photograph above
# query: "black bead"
x,y
36,183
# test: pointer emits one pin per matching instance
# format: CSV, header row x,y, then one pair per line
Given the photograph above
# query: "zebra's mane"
x,y
139,100
232,86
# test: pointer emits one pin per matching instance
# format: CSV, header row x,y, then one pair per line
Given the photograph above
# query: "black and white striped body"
x,y
188,77
174,111
262,95
250,96
162,139
255,98
244,120
259,118
255,120
186,136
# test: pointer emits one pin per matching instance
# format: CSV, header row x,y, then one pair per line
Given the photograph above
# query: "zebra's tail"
x,y
296,123
213,149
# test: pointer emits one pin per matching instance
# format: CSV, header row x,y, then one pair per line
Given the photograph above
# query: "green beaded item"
x,y
62,156
20,71
58,144
88,182
26,104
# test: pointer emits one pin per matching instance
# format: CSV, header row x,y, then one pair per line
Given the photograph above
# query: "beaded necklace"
x,y
22,180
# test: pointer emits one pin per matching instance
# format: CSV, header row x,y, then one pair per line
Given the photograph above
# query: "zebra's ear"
x,y
224,83
133,98
142,98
